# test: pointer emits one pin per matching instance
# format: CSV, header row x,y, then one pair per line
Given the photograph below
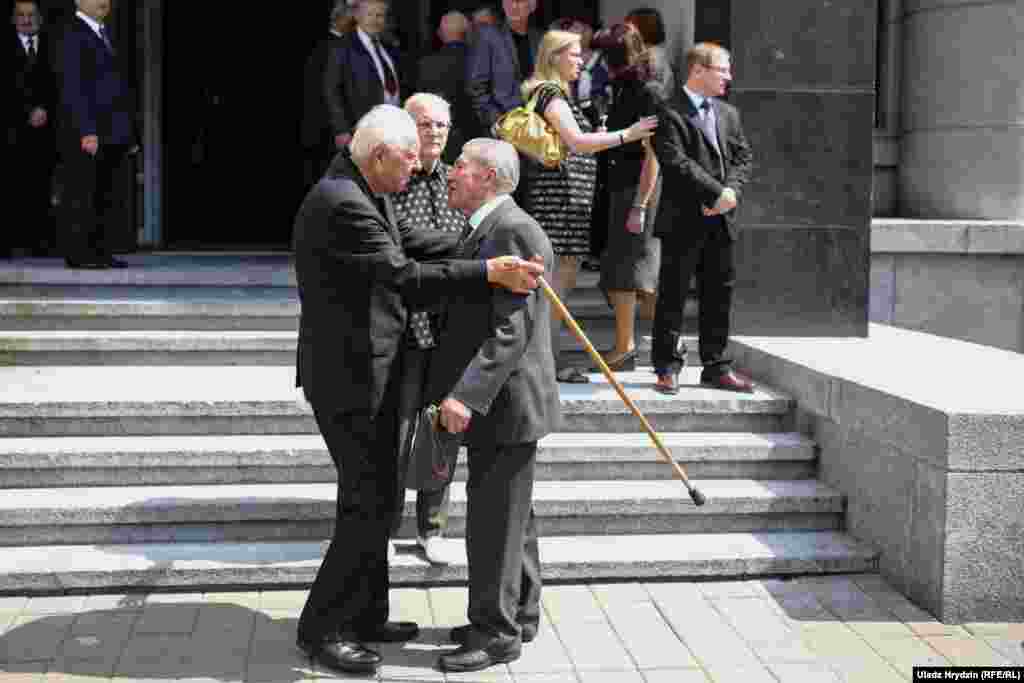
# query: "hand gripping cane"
x,y
697,497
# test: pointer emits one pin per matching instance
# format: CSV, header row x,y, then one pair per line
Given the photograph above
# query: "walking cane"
x,y
563,312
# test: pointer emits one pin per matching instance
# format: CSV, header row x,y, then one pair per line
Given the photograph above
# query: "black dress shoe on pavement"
x,y
84,265
347,656
460,633
116,263
667,384
729,380
474,659
390,632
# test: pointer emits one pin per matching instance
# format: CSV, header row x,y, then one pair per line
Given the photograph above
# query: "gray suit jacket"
x,y
495,351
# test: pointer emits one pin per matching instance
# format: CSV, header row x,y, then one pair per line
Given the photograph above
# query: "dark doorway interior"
x,y
233,106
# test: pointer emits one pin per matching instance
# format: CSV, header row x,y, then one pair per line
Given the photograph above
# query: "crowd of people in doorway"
x,y
417,252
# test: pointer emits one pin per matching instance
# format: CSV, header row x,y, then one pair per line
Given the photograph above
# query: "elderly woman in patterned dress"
x,y
560,199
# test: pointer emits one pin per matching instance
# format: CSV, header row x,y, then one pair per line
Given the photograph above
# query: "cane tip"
x,y
697,496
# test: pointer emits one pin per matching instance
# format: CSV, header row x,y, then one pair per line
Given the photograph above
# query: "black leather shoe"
x,y
667,384
116,263
85,265
729,380
390,632
347,656
475,659
459,633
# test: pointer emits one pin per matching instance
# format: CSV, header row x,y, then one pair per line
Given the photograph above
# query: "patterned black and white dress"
x,y
561,199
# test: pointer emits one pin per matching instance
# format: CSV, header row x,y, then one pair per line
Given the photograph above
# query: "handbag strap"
x,y
531,105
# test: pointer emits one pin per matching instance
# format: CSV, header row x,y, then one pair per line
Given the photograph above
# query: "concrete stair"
x,y
152,438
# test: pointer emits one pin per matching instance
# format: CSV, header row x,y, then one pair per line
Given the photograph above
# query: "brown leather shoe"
x,y
730,380
667,384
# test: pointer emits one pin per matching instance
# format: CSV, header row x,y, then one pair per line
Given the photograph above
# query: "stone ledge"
x,y
901,235
914,391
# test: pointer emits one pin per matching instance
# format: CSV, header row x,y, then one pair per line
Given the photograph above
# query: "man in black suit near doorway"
x,y
360,72
500,58
494,376
356,279
97,132
444,73
705,162
316,136
29,127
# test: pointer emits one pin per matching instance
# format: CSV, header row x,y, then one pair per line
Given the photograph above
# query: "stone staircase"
x,y
151,438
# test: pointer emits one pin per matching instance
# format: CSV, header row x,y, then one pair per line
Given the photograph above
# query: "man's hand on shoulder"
x,y
455,416
514,273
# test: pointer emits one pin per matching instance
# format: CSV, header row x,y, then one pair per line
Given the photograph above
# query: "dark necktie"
x,y
106,38
390,82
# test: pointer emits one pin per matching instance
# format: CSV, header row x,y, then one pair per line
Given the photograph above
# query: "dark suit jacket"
x,y
355,278
96,92
690,168
316,118
444,73
494,354
494,74
351,83
33,85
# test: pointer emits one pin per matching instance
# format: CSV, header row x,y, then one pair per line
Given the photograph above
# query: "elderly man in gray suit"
x,y
494,377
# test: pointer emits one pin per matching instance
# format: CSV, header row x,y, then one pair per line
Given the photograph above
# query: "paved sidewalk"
x,y
819,629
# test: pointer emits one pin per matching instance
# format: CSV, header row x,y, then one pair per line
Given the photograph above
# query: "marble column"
x,y
963,110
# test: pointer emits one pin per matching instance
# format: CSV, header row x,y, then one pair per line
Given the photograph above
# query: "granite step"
x,y
53,462
65,345
180,400
259,512
225,566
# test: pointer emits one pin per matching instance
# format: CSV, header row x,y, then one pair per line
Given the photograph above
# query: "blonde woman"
x,y
560,199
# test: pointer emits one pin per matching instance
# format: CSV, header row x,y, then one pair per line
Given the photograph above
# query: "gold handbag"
x,y
531,134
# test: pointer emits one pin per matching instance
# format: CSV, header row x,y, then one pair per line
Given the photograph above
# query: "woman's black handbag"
x,y
433,452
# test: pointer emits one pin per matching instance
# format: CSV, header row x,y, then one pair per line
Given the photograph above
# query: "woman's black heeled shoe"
x,y
624,363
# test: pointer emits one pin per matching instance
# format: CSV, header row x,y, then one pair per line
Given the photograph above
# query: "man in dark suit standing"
x,y
495,372
444,73
705,162
360,72
30,140
500,58
355,279
97,129
316,136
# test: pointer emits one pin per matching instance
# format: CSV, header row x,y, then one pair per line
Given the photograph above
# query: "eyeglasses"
x,y
440,126
724,70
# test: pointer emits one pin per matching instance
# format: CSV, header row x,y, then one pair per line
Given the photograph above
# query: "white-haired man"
x,y
494,377
356,275
424,203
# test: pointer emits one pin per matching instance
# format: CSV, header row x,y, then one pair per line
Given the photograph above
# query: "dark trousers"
x,y
90,201
704,249
501,541
350,592
31,159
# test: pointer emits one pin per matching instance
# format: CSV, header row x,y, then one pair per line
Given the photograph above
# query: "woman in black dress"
x,y
560,199
629,266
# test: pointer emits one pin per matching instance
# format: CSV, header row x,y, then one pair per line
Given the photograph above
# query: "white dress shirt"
x,y
93,24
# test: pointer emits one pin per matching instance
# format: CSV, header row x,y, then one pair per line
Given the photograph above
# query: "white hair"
x,y
385,124
498,155
427,100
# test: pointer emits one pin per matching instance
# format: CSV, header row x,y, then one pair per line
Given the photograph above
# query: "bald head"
x,y
453,28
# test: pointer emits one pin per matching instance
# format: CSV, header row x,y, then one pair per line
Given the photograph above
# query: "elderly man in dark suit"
x,y
356,276
705,162
500,58
494,376
97,129
360,72
30,140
